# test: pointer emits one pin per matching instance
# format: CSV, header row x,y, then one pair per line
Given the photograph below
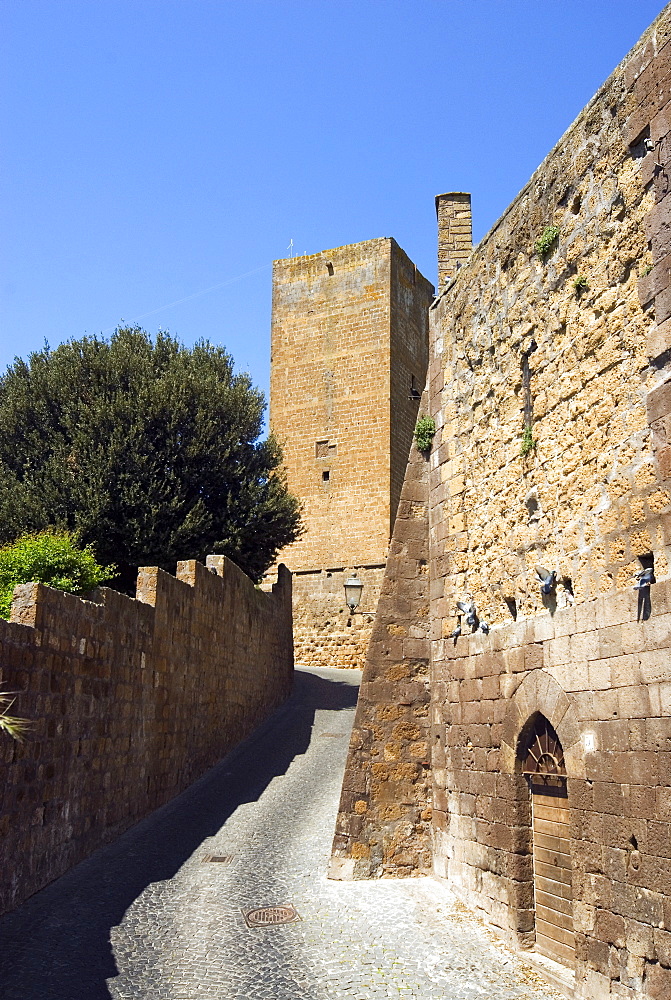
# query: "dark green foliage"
x,y
147,450
425,428
546,241
50,557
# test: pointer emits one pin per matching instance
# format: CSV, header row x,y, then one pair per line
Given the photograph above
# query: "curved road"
x,y
148,918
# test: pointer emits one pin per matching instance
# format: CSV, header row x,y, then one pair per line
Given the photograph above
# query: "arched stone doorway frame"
x,y
539,693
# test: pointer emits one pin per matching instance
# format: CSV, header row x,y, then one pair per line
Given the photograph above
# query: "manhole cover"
x,y
222,859
270,916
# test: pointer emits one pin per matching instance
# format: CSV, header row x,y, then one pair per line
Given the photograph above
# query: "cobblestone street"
x,y
147,917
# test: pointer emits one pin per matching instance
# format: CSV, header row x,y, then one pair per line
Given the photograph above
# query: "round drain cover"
x,y
266,916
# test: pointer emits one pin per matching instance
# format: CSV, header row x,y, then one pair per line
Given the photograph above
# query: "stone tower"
x,y
348,366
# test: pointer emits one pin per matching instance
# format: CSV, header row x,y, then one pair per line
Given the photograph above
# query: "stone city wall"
x,y
549,383
383,825
538,386
545,383
326,634
596,673
129,702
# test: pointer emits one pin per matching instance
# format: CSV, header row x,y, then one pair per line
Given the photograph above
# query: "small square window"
x,y
326,475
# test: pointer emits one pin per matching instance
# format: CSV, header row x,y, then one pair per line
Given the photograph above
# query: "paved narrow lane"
x,y
147,918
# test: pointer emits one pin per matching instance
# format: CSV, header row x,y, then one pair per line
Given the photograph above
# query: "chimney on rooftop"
x,y
455,233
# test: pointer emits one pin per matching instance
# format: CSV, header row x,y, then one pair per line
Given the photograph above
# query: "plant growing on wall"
x,y
425,428
580,284
10,724
528,443
50,557
546,240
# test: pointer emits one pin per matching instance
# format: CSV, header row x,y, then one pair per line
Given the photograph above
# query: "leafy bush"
x,y
425,428
50,557
546,240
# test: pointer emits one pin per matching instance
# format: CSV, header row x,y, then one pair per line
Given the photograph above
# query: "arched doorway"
x,y
543,766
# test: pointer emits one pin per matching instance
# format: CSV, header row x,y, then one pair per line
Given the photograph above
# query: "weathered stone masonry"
x,y
130,701
383,821
348,366
573,344
455,233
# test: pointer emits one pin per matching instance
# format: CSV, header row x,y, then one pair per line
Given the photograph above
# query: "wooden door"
x,y
553,890
552,876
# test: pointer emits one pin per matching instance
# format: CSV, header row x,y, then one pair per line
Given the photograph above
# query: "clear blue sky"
x,y
157,155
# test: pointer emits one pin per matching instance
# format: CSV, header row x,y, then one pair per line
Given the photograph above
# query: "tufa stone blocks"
x,y
348,366
129,702
455,233
553,409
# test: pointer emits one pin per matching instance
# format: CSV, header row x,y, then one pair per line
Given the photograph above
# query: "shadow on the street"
x,y
56,946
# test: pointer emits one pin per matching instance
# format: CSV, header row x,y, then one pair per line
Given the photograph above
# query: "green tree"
x,y
50,557
147,450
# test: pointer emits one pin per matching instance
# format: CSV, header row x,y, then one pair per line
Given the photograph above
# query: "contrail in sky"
x,y
194,295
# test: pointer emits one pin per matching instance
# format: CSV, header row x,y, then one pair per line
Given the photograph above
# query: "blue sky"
x,y
157,156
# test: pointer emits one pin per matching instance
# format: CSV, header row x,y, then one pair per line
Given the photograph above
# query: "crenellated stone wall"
x,y
129,702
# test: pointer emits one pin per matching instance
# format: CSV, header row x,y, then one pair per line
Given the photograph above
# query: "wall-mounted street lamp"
x,y
353,588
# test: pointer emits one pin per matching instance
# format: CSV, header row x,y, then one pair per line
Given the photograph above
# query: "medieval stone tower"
x,y
348,366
